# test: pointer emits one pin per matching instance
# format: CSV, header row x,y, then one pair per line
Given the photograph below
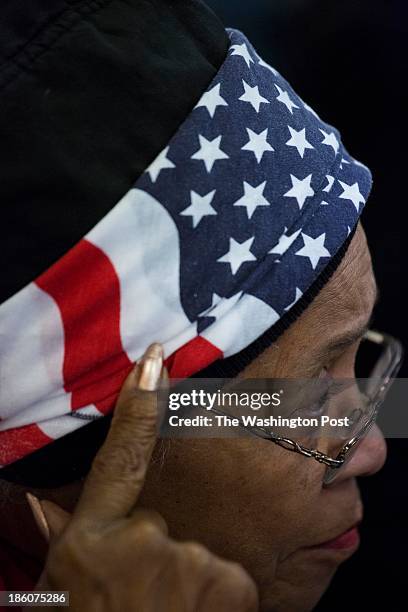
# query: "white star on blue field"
x,y
262,191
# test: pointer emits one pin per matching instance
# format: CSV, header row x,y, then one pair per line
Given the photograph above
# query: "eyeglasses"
x,y
372,390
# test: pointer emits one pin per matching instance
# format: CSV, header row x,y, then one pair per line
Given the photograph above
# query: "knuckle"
x,y
196,553
148,530
152,516
236,586
139,410
239,581
236,571
123,459
148,536
145,399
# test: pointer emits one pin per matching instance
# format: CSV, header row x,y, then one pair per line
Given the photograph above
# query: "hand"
x,y
112,557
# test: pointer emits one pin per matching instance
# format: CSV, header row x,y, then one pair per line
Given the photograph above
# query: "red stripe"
x,y
86,288
192,357
21,441
189,359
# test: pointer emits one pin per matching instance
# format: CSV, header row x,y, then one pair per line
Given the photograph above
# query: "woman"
x,y
238,249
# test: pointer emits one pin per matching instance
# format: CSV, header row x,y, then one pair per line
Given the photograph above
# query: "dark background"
x,y
347,59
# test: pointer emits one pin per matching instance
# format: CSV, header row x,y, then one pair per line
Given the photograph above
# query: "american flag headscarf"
x,y
220,237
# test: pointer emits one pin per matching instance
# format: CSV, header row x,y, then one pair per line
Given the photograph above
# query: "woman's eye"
x,y
321,401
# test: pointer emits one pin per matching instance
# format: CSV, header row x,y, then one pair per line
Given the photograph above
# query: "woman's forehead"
x,y
353,280
346,303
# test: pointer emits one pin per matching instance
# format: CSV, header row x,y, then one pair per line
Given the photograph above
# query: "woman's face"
x,y
253,502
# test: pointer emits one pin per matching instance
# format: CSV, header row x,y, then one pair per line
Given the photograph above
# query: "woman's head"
x,y
221,243
259,504
244,211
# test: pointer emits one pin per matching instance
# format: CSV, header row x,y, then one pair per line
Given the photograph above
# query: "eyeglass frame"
x,y
337,462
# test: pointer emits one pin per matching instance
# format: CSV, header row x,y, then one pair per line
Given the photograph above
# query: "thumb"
x,y
56,517
50,518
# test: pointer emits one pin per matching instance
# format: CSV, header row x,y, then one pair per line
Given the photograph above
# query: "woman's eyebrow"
x,y
349,337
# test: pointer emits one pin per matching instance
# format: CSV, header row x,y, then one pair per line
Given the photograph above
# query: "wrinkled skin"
x,y
249,500
95,551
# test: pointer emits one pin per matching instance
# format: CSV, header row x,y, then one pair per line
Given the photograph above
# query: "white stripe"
x,y
31,359
142,242
63,425
241,325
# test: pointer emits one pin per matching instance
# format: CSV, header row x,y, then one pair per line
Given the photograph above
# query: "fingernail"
x,y
39,515
151,366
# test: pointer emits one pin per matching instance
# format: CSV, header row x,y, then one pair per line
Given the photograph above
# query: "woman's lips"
x,y
347,540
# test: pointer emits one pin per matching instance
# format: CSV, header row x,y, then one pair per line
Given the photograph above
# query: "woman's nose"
x,y
368,458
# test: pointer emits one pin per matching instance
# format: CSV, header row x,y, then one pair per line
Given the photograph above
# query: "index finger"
x,y
118,471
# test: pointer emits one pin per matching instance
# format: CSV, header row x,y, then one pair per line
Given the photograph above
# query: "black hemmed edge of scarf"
x,y
69,458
